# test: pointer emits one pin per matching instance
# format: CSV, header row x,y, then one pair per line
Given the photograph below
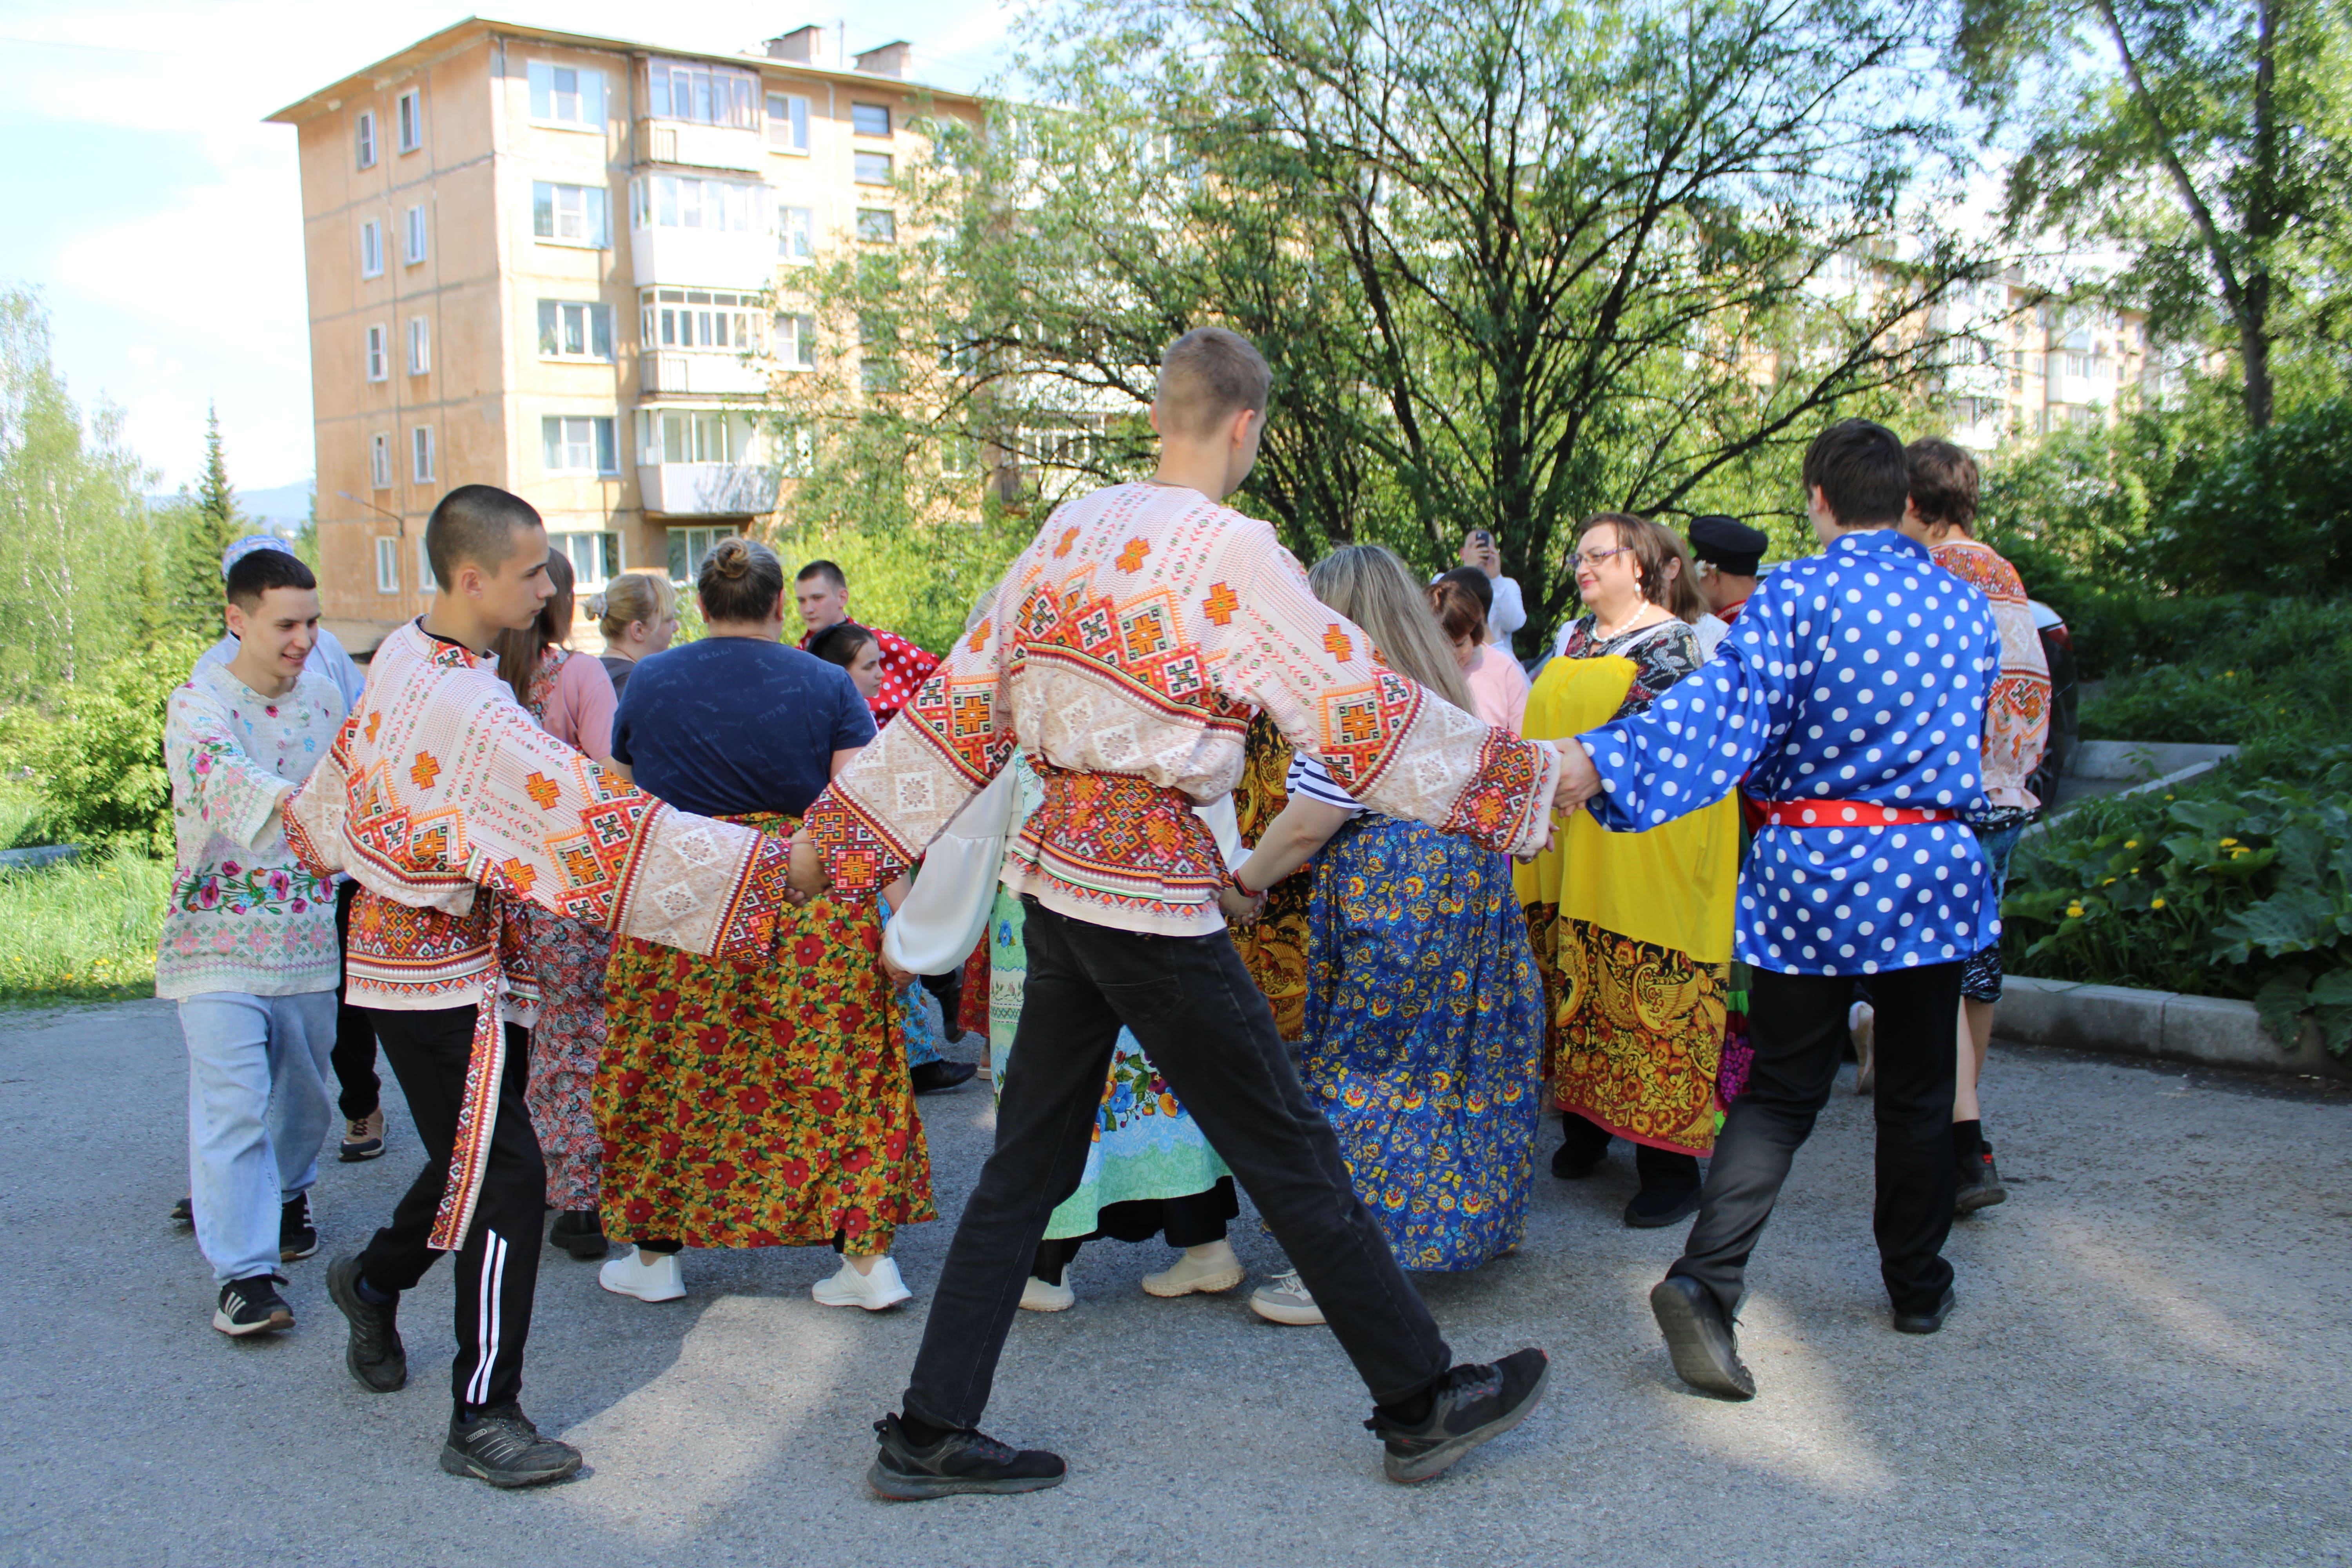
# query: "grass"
x,y
20,815
85,931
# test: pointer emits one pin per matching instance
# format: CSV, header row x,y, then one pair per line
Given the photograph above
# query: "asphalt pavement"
x,y
2150,1362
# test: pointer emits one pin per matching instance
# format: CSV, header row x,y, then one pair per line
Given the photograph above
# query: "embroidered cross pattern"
x,y
543,791
425,770
978,638
1130,559
1337,643
1221,603
1069,538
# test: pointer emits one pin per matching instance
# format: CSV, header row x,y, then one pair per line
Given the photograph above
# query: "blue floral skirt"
x,y
1424,1037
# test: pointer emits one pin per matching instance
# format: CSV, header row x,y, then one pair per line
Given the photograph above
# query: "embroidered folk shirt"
x,y
1125,651
1856,677
243,914
2017,717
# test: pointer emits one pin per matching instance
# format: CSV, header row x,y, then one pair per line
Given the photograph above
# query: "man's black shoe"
x,y
185,1211
502,1446
933,1077
1699,1338
253,1306
375,1352
298,1231
1655,1206
1471,1406
1925,1322
1583,1147
580,1232
959,1462
1979,1184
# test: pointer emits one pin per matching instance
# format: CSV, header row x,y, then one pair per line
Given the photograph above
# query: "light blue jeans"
x,y
258,1112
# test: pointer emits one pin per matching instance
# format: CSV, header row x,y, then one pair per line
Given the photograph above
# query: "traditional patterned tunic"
x,y
2016,716
1127,651
440,787
1854,680
244,914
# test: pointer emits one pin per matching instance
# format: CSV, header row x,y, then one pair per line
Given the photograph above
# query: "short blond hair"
x,y
1207,377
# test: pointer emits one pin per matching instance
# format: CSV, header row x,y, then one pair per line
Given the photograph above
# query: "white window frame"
x,y
796,234
606,561
387,564
558,317
888,121
408,115
671,436
861,164
594,215
699,320
684,559
420,454
416,240
420,345
688,201
743,91
380,460
795,339
426,581
796,451
788,124
878,226
364,135
378,351
557,443
372,248
547,99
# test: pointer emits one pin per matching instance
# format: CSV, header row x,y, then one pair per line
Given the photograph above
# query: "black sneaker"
x,y
298,1230
502,1446
252,1307
1655,1206
580,1232
933,1077
375,1352
185,1211
1979,1184
959,1462
1473,1405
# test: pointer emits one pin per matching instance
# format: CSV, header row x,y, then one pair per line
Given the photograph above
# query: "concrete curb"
x,y
37,857
2122,1021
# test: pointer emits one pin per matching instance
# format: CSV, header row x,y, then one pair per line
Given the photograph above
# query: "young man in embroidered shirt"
x,y
249,947
1126,652
822,591
447,803
1851,695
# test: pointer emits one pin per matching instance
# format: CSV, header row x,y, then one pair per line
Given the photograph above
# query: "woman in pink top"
x,y
1498,687
570,695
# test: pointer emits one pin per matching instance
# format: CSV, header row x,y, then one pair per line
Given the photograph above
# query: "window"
x,y
420,345
796,342
869,119
796,232
387,566
569,215
878,226
415,235
426,581
688,546
372,249
377,370
379,462
420,453
595,557
877,372
700,319
689,436
872,168
408,114
578,445
959,457
788,123
702,95
672,201
367,137
560,95
2078,364
799,452
567,329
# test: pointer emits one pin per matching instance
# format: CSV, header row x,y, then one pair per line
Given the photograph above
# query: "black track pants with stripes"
x,y
497,1268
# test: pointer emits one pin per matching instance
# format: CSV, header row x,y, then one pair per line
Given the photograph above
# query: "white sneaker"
x,y
1208,1270
1039,1297
1285,1299
875,1290
1862,1025
648,1275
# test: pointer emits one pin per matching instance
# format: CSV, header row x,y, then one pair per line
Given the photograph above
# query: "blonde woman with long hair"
x,y
1424,1031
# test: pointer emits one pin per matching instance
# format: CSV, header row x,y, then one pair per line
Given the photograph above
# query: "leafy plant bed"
x,y
83,931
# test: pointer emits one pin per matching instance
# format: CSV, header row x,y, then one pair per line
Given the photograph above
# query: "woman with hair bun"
x,y
637,614
754,1104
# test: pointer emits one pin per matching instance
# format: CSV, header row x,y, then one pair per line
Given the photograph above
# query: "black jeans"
x,y
498,1267
1797,1024
1209,1031
354,1054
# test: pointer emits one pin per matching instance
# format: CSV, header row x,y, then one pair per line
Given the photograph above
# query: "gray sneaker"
x,y
502,1446
1285,1299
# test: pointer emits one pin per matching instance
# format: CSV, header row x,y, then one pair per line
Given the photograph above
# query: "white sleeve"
x,y
1510,613
328,658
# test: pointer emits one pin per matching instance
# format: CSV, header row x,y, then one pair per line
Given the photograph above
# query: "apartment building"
x,y
565,264
2030,363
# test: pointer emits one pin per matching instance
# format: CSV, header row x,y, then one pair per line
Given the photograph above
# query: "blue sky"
x,y
160,220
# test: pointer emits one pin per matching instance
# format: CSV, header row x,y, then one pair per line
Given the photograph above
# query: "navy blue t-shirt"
x,y
729,725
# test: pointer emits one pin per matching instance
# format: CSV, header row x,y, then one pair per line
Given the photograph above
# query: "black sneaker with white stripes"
x,y
253,1306
297,1229
500,1445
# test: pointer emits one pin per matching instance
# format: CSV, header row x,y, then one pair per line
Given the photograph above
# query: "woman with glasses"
x,y
1632,929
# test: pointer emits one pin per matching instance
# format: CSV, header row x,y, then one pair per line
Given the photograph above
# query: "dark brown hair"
x,y
826,570
741,580
1860,468
474,525
255,574
838,643
1654,545
1457,610
1943,481
520,650
1207,377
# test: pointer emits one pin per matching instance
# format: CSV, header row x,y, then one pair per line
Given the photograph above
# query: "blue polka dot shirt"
x,y
1856,677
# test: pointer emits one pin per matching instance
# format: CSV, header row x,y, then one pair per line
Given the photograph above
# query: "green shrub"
x,y
2272,515
2236,670
101,762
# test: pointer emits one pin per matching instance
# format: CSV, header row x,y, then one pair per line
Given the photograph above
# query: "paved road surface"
x,y
2150,1362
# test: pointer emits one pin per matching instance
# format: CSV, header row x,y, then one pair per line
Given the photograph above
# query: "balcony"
x,y
699,376
711,258
707,489
701,146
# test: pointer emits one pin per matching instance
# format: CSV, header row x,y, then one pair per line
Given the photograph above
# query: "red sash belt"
x,y
1851,813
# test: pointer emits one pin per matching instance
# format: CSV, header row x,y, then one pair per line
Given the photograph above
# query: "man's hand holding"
x,y
808,875
1579,781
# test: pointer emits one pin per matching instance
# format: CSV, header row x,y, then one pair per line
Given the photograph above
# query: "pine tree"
x,y
214,523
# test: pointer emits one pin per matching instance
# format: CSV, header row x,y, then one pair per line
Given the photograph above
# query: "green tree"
x,y
212,522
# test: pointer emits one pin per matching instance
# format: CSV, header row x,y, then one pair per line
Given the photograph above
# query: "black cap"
x,y
1728,542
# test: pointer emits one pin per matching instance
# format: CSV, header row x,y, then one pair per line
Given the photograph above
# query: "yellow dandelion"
x,y
2134,843
2157,905
2073,911
2227,842
2108,883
